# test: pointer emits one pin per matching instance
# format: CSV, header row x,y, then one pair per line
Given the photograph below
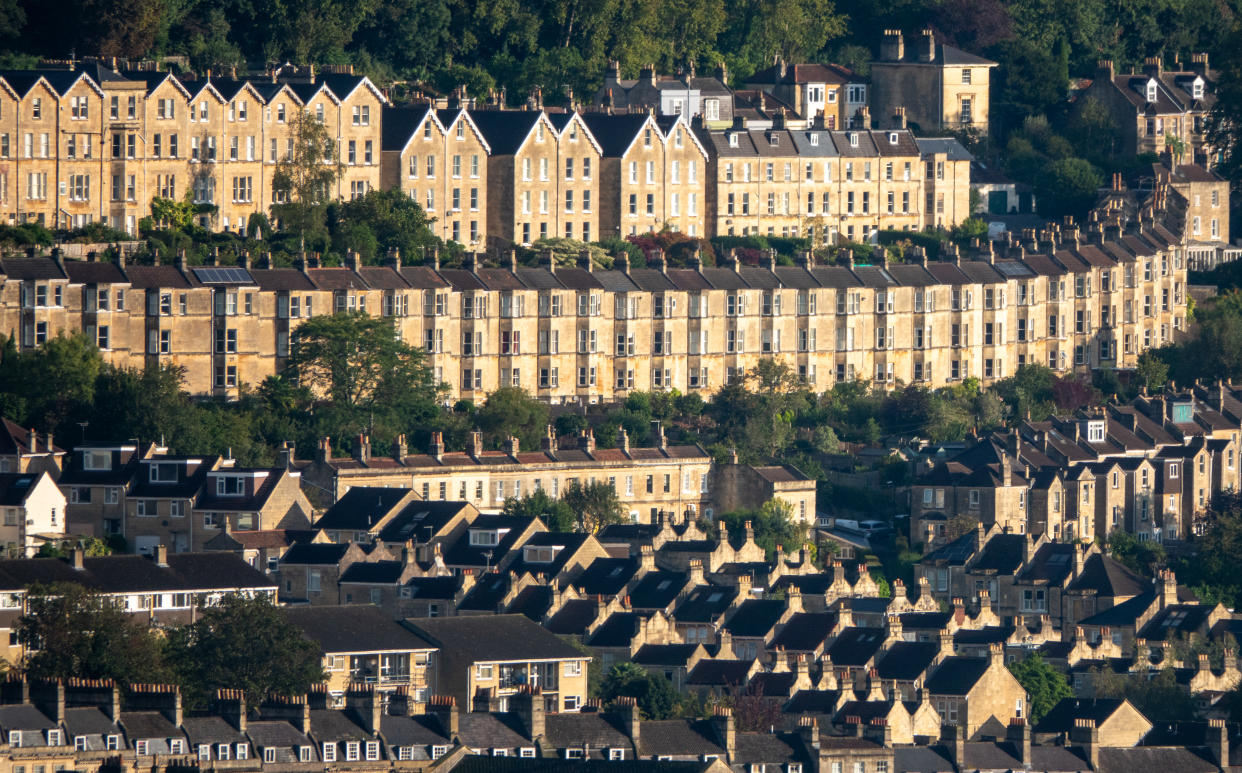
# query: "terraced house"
x,y
1063,297
1150,468
96,144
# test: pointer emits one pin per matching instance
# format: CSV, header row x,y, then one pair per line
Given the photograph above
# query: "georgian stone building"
x,y
94,144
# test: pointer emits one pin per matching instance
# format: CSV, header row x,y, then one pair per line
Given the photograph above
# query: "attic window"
x,y
774,140
96,460
484,537
717,596
1197,88
814,139
892,136
1095,432
230,486
853,139
733,140
540,555
1151,90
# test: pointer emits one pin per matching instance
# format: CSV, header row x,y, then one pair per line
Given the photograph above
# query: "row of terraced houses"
x,y
94,144
1059,298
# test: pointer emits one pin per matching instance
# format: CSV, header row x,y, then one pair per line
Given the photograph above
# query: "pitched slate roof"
x,y
956,675
493,638
360,628
137,574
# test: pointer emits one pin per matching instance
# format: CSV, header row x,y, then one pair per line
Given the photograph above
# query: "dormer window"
x,y
96,460
164,473
1183,413
54,738
1151,90
774,140
892,136
539,554
484,537
1173,470
814,139
1196,88
1095,432
113,742
853,139
79,743
733,140
230,486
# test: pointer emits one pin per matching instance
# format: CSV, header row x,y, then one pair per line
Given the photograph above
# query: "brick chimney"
x,y
927,46
892,46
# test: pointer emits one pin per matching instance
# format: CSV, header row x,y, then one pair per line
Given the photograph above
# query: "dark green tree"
x,y
513,412
654,692
594,505
363,372
1045,686
70,631
243,642
554,513
773,524
1067,186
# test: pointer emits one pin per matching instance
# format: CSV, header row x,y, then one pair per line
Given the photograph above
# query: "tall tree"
x,y
654,693
243,643
512,411
594,505
555,513
302,180
366,374
1045,686
73,632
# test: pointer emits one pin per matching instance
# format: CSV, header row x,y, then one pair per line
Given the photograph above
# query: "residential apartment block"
x,y
97,144
93,144
1150,468
941,88
1061,298
152,498
1152,106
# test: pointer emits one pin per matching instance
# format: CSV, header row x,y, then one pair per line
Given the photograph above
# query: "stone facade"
x,y
941,88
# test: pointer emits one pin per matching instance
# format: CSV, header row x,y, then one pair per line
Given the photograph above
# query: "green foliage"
x,y
594,505
1067,186
72,632
654,693
1045,686
362,370
380,221
169,213
1213,568
773,525
555,513
303,178
243,643
1160,699
1141,557
513,412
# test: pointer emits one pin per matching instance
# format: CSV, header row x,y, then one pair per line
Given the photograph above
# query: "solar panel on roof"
x,y
1014,269
223,275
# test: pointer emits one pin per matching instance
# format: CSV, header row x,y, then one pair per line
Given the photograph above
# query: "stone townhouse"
x,y
532,177
439,159
363,645
1059,297
1155,104
94,144
812,90
651,173
24,450
942,88
1150,468
665,478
